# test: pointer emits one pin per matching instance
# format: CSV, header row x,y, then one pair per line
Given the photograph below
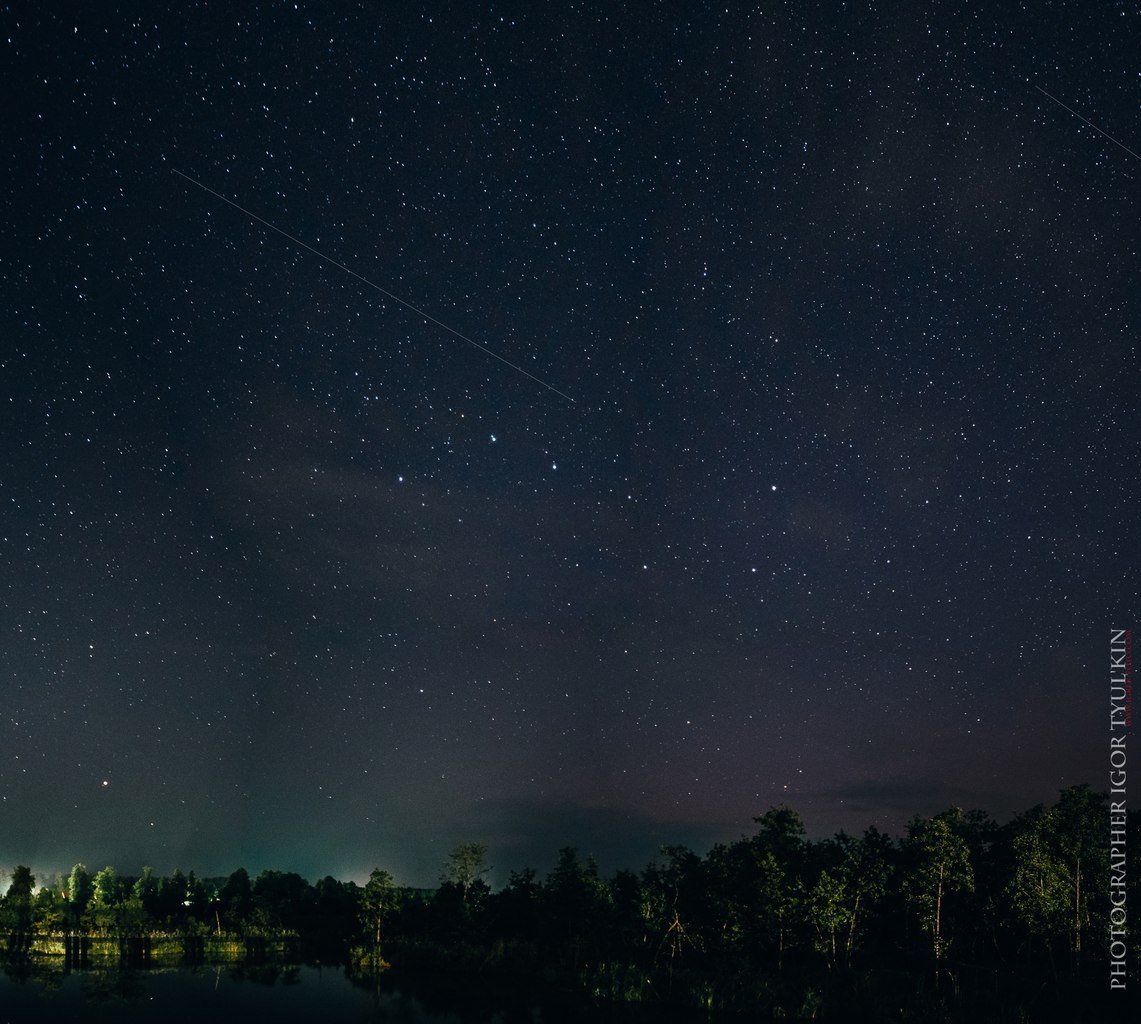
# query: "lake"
x,y
215,994
276,994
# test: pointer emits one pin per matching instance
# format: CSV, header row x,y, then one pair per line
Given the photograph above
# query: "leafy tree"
x,y
146,884
778,851
1080,825
171,899
630,924
23,883
864,872
377,900
940,865
516,910
145,890
335,912
79,892
827,907
575,903
236,898
106,896
1059,860
18,904
108,889
781,833
283,897
49,910
466,865
132,918
197,898
755,888
1039,888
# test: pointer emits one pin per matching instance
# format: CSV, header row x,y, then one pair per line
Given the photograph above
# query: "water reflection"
x,y
47,990
32,990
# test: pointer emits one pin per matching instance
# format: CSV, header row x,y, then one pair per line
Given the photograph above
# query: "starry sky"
x,y
750,419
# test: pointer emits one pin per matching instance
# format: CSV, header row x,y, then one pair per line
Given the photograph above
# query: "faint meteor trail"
x,y
383,291
1090,123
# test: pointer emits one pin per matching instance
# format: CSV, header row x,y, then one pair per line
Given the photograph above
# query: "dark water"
x,y
283,995
209,994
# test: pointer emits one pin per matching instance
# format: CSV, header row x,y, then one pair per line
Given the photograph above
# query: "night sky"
x,y
800,466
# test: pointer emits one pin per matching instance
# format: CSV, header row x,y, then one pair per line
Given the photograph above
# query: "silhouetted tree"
x,y
145,890
574,901
236,899
18,903
517,908
282,898
466,865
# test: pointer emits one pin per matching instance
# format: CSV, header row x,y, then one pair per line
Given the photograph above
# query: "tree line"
x,y
960,914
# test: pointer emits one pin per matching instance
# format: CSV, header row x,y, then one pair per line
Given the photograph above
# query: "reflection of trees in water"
x,y
23,970
98,985
265,974
431,999
111,986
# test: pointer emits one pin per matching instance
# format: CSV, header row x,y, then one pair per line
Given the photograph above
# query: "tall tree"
x,y
466,865
939,866
79,891
49,910
236,898
107,888
18,905
377,899
1039,889
1060,861
1080,816
145,889
864,872
774,874
282,898
827,908
106,896
575,901
23,883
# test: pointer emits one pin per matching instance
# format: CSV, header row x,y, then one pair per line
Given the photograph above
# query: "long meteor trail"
x,y
1090,123
372,284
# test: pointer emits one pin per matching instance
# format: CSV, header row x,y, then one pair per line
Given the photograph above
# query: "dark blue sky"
x,y
833,503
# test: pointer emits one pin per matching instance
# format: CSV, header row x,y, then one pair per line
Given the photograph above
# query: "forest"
x,y
960,917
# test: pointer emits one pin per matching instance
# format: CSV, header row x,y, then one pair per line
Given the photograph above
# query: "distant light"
x,y
494,439
106,783
774,487
400,479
